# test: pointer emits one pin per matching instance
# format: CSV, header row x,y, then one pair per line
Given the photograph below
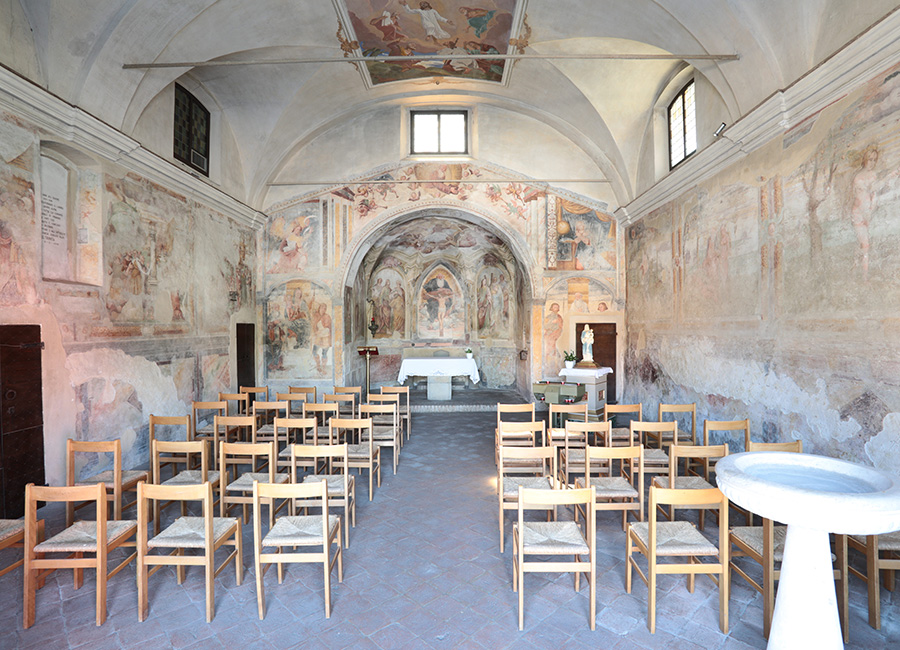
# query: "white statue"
x,y
587,345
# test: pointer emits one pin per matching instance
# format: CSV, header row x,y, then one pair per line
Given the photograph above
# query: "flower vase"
x,y
570,364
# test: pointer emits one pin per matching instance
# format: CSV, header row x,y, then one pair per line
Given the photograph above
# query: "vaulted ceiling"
x,y
579,117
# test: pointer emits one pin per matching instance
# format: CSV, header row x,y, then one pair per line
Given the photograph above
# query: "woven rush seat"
x,y
335,482
752,536
81,537
620,433
10,527
299,531
657,456
205,430
683,482
615,487
245,481
675,538
191,477
128,476
190,532
886,541
357,452
553,538
511,484
266,429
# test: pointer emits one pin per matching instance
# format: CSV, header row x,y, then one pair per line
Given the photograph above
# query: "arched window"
x,y
682,125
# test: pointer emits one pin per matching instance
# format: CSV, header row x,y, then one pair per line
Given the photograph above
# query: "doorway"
x,y
21,416
604,352
245,350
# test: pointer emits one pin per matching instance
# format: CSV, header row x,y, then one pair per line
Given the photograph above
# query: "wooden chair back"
x,y
165,452
343,400
557,411
309,393
727,425
659,431
521,433
241,403
540,461
203,411
322,412
677,409
579,432
794,446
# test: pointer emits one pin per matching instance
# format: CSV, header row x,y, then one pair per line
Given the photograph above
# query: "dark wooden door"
x,y
604,352
21,415
245,345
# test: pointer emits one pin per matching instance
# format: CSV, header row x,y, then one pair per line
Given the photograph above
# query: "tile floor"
x,y
423,571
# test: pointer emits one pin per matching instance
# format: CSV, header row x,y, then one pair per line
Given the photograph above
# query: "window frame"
x,y
196,107
439,112
680,97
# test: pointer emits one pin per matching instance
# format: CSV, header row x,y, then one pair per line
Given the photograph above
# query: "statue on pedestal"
x,y
587,348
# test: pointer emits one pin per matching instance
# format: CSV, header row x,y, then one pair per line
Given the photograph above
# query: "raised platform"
x,y
465,400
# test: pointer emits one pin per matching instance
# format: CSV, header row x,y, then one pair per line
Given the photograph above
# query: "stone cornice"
x,y
872,52
60,119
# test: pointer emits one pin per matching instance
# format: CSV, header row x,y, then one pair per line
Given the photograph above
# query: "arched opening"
x,y
439,278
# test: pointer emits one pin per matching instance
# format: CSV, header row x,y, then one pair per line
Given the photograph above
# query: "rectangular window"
x,y
439,132
191,131
682,125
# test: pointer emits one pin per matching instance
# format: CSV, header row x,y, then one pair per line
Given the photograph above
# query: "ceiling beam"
x,y
436,57
411,181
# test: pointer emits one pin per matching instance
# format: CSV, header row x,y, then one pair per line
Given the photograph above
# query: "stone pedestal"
x,y
439,388
594,380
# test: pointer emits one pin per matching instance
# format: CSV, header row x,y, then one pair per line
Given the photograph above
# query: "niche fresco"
x,y
387,304
441,306
494,311
298,341
571,297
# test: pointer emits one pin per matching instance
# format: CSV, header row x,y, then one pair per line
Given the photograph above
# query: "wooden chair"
x,y
405,412
12,535
576,436
676,410
306,432
656,460
308,393
255,392
170,421
175,453
513,413
346,403
99,538
290,531
539,462
520,434
265,414
232,428
206,534
559,415
679,539
624,492
620,434
116,480
552,538
341,485
882,557
294,403
235,485
322,413
385,426
709,426
241,403
383,420
363,455
696,456
202,414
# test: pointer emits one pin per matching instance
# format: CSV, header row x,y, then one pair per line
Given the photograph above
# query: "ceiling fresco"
x,y
452,27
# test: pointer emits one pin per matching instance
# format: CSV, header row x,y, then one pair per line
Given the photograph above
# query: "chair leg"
x,y
210,575
143,601
101,586
628,562
239,556
260,588
327,566
78,573
873,581
651,597
501,527
843,592
724,590
30,579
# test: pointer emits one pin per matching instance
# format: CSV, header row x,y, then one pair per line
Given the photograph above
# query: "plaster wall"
x,y
145,327
769,291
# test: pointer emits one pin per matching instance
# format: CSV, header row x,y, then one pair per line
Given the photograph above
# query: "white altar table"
x,y
438,367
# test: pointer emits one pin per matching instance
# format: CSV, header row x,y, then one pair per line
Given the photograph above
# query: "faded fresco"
x,y
441,306
583,238
387,304
19,244
299,333
446,27
493,303
565,302
294,240
782,290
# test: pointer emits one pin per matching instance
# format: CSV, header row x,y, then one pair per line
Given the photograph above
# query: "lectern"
x,y
368,351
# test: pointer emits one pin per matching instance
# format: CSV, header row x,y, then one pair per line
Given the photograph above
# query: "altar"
x,y
439,371
594,380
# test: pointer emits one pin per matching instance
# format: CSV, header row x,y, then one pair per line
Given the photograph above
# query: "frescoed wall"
x,y
140,324
462,273
770,290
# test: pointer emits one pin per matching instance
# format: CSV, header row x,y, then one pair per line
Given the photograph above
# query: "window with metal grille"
x,y
191,131
682,125
439,132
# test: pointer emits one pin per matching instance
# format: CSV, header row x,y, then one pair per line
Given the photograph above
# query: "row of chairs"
x,y
623,490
